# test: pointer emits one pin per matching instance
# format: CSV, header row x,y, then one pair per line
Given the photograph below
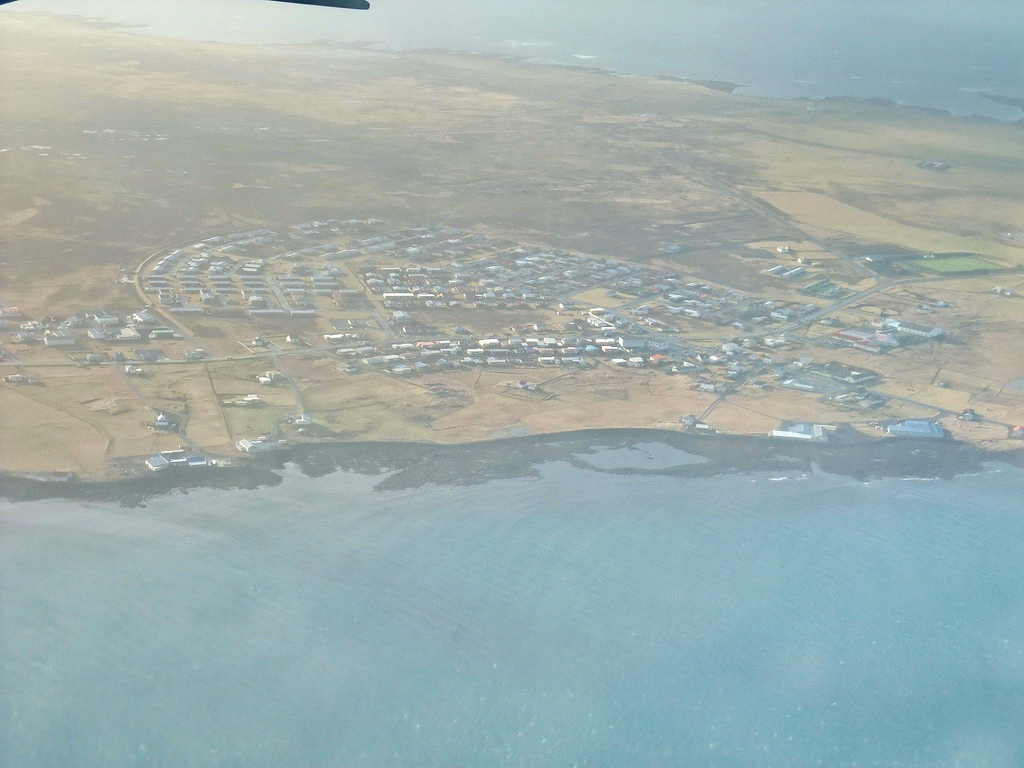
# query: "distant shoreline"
x,y
409,465
723,86
720,84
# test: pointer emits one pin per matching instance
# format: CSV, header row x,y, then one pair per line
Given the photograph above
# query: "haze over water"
x,y
575,618
932,53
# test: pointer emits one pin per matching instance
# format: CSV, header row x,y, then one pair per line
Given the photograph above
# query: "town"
x,y
422,302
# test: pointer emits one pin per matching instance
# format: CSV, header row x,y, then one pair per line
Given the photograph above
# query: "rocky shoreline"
x,y
410,465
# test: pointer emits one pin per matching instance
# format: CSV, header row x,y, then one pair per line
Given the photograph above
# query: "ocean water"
x,y
933,53
574,616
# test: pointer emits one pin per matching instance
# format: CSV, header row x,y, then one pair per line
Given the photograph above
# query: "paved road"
x,y
145,300
766,211
826,311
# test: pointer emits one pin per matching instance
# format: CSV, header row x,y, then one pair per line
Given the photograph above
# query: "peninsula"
x,y
212,251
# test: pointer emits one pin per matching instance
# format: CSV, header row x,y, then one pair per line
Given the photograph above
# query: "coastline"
x,y
608,413
370,47
714,84
404,465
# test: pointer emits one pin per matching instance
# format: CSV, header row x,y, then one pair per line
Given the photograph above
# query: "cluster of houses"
x,y
225,273
539,273
96,326
479,272
410,357
720,307
212,271
717,370
199,283
507,280
407,358
610,343
427,243
232,273
488,285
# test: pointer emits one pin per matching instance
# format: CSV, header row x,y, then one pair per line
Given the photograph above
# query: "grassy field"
x,y
464,140
953,265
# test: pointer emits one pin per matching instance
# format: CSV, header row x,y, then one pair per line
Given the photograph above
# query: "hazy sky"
x,y
404,18
388,19
230,20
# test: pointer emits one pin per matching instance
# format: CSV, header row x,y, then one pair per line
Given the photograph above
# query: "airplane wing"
x,y
360,5
356,4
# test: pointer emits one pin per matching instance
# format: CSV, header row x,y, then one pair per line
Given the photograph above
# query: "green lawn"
x,y
953,265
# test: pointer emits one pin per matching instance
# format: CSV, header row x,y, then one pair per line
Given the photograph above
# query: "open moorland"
x,y
426,246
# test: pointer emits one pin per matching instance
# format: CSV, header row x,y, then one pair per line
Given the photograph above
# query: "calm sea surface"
x,y
578,617
934,53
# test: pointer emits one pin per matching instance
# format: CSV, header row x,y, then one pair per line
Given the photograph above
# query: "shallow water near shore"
x,y
567,616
